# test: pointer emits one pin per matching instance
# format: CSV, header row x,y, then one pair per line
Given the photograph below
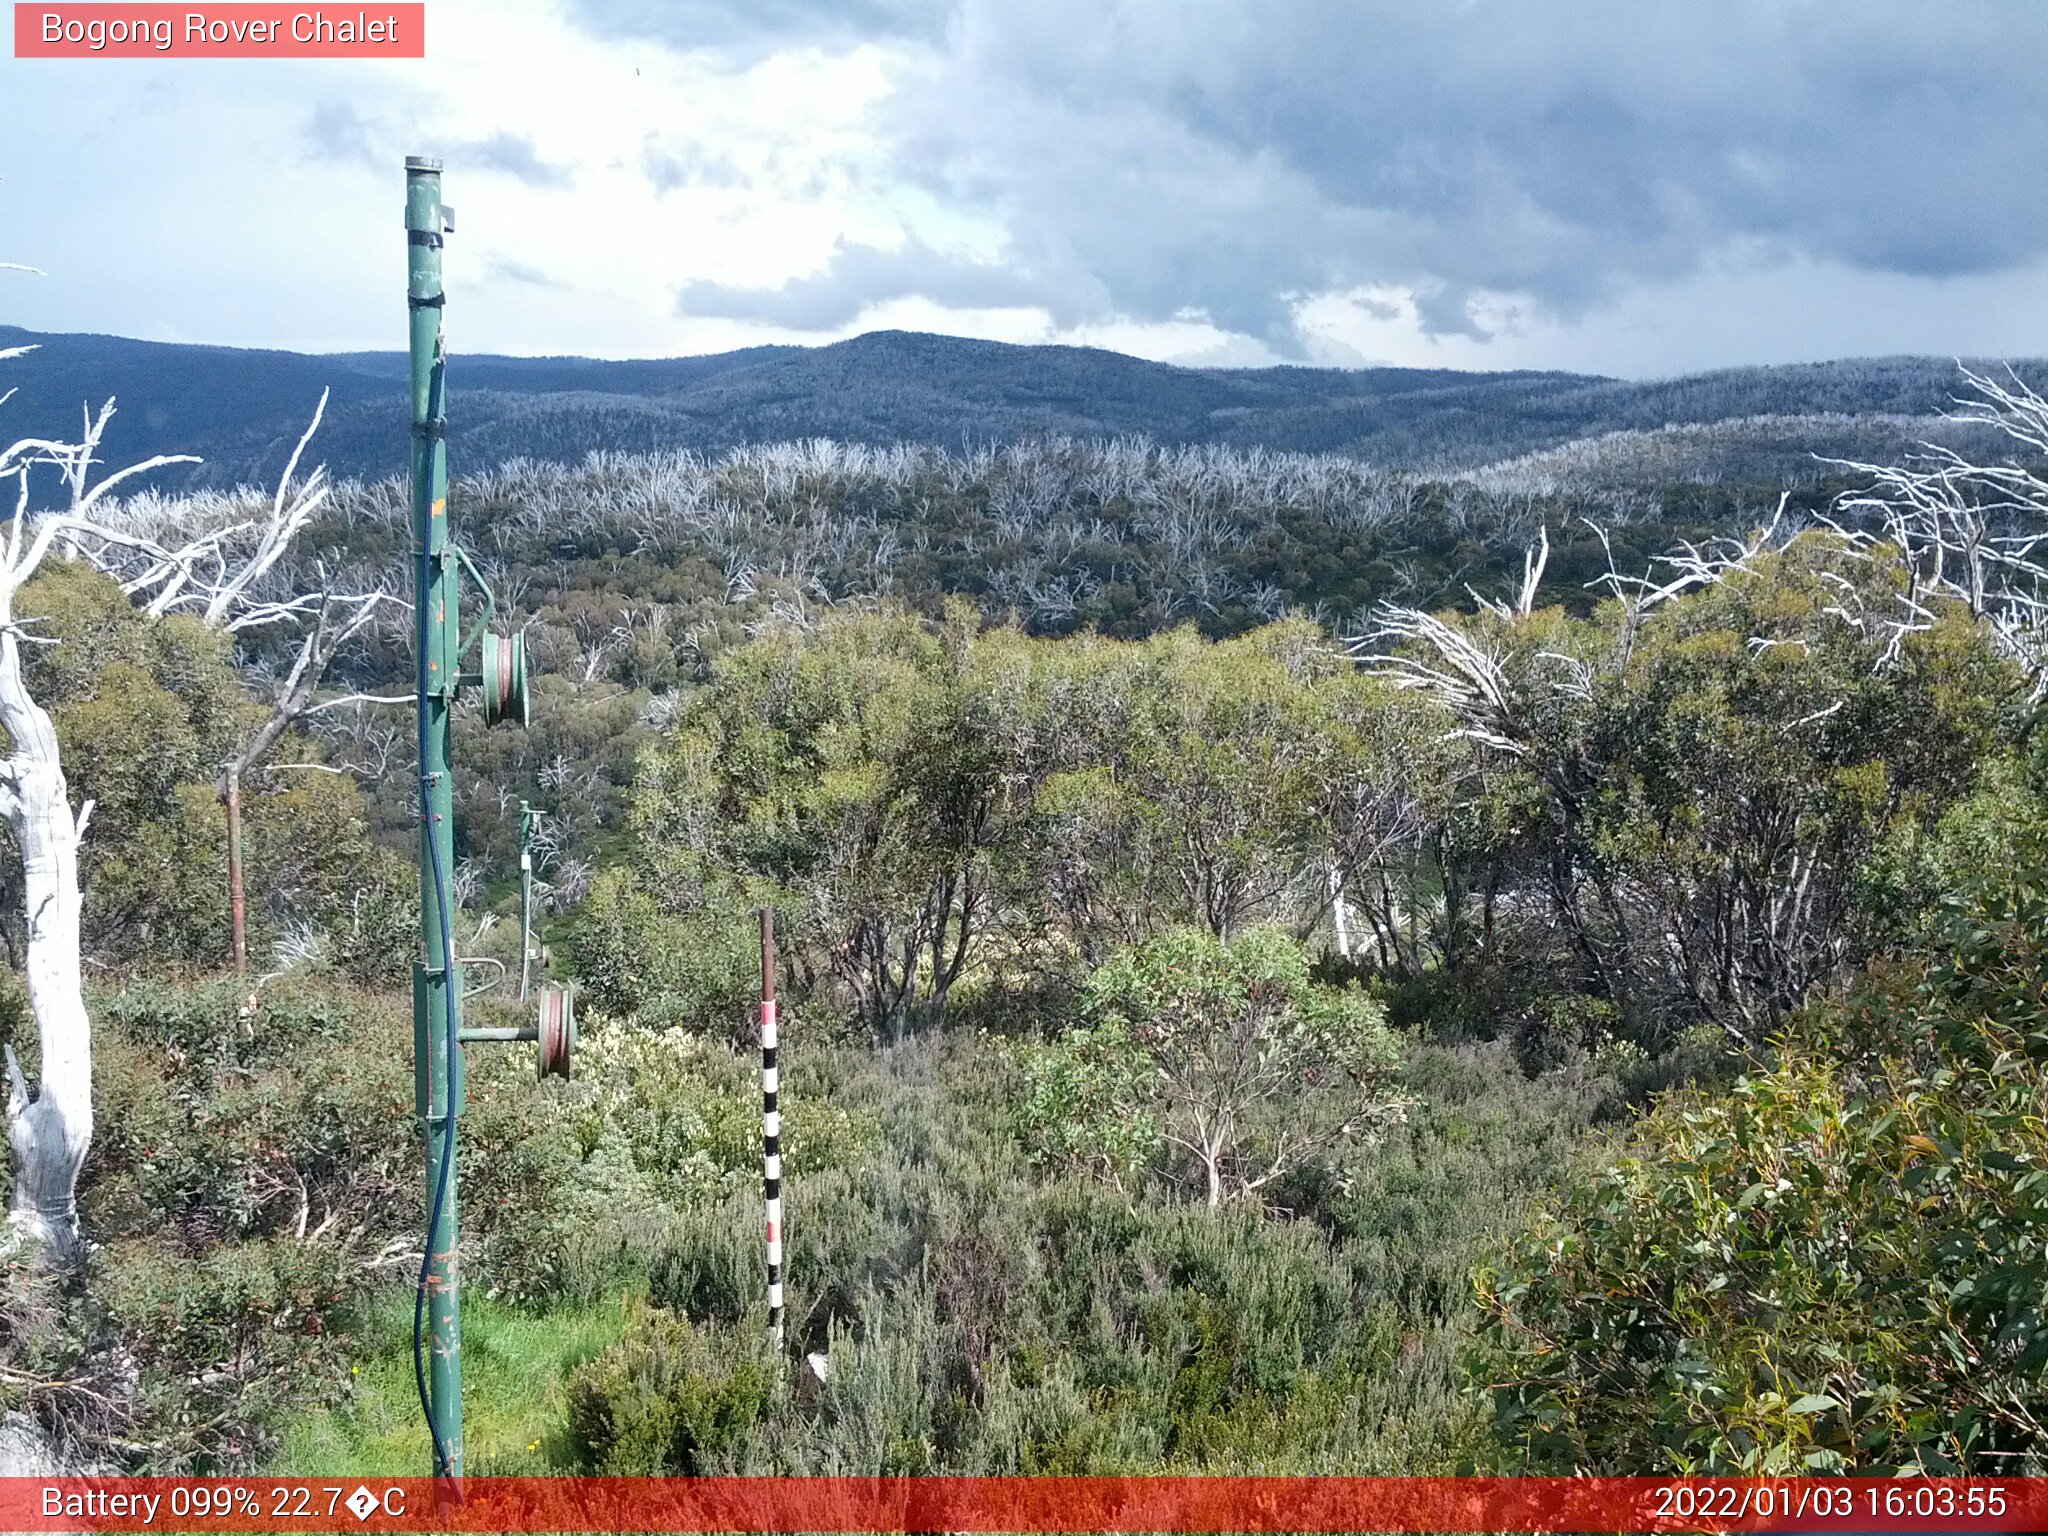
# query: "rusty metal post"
x,y
238,905
528,819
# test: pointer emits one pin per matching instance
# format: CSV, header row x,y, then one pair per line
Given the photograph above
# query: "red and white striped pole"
x,y
771,1126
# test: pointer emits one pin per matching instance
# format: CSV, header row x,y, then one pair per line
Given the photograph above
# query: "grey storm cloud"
x,y
1149,158
337,131
754,27
507,269
511,154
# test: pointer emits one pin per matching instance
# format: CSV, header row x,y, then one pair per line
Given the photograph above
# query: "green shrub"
x,y
1084,1103
376,928
668,1399
711,1267
1837,1265
617,1175
700,972
224,1122
224,1342
1229,1057
2003,822
685,1113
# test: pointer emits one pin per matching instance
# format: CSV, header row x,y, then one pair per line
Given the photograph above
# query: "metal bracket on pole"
x,y
429,1005
529,823
483,589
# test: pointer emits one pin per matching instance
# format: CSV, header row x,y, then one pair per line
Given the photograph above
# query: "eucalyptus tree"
x,y
1224,1062
50,1122
1715,753
232,564
856,773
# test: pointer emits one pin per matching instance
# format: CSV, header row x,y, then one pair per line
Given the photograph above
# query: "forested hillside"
x,y
1286,965
242,410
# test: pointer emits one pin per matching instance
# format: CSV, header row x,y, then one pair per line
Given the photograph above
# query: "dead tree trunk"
x,y
49,1128
50,1122
1340,912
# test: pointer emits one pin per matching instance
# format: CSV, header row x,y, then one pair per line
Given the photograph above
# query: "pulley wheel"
x,y
502,666
557,1030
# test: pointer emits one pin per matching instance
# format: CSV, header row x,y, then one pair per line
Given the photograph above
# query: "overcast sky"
x,y
1620,186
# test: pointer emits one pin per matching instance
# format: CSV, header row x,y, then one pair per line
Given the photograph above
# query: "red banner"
x,y
972,1504
215,31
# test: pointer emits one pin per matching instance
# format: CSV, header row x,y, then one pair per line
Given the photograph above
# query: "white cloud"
x,y
1631,186
258,204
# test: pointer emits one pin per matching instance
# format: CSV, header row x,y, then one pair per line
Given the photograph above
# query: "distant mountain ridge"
x,y
242,409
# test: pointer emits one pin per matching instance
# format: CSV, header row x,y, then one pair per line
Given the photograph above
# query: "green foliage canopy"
x,y
1840,1264
148,711
1228,1053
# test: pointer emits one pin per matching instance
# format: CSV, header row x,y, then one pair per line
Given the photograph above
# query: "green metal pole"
x,y
437,982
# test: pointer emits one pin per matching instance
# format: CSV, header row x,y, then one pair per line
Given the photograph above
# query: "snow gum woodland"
x,y
1288,967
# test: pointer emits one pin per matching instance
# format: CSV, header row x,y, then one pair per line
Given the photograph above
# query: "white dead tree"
x,y
1933,536
218,570
1966,533
1687,567
49,1125
1466,673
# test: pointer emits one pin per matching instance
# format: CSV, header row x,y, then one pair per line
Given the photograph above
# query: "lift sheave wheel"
x,y
557,1030
502,669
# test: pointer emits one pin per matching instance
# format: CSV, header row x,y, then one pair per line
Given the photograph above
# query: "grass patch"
x,y
515,1366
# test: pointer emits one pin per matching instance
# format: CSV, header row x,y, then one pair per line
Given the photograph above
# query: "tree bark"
x,y
47,1132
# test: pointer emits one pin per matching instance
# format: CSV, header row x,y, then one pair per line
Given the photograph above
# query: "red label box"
x,y
104,30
